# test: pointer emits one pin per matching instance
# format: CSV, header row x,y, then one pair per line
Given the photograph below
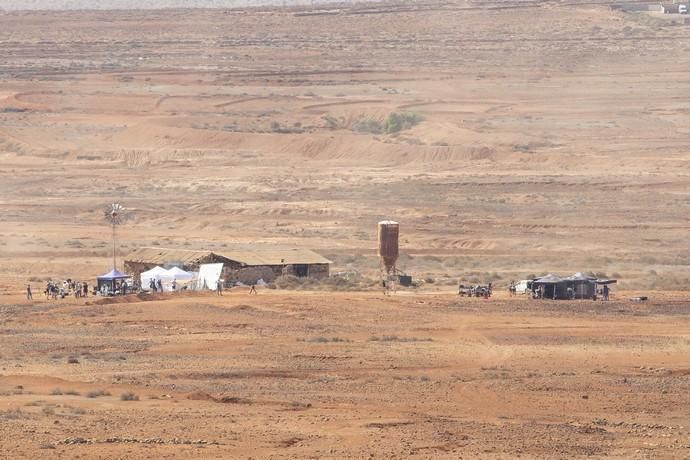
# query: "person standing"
x,y
85,289
252,290
219,288
29,296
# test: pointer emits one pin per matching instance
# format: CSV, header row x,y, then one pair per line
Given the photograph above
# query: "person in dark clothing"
x,y
160,285
252,290
124,288
29,296
85,289
219,288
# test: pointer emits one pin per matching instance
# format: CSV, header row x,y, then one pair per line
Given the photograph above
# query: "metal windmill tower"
x,y
115,215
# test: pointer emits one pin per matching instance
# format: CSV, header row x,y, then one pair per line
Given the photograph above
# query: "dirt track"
x,y
284,375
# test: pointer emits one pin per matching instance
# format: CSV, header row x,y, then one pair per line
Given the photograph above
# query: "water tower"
x,y
389,232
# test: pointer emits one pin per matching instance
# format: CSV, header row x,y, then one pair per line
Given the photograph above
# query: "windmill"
x,y
115,215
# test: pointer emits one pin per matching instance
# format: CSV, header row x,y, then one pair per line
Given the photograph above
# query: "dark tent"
x,y
112,282
582,285
550,287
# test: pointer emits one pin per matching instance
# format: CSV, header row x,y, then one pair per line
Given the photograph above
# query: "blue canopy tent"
x,y
113,283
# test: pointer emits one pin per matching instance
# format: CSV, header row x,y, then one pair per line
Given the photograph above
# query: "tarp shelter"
x,y
209,275
112,282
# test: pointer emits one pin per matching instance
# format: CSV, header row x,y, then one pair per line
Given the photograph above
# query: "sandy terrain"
x,y
554,137
310,375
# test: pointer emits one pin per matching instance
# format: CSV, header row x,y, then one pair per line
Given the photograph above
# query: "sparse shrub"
x,y
395,338
297,405
331,122
97,393
56,392
48,410
72,393
46,445
327,340
72,360
129,396
12,414
367,125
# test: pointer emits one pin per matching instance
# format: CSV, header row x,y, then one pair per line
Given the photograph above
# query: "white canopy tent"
x,y
179,276
154,274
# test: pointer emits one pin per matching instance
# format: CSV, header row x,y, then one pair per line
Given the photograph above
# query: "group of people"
x,y
157,285
55,290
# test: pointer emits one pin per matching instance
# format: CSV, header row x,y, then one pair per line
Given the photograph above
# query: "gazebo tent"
x,y
111,282
553,287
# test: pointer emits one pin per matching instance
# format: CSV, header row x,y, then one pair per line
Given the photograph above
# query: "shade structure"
x,y
113,275
113,283
549,279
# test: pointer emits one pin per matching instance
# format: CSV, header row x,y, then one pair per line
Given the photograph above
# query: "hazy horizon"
x,y
14,5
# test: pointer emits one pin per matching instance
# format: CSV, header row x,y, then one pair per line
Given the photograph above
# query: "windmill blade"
x,y
115,214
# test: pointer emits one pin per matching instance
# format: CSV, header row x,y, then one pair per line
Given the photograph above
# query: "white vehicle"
x,y
682,9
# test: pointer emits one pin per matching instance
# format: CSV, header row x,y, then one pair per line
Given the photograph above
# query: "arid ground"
x,y
547,137
344,375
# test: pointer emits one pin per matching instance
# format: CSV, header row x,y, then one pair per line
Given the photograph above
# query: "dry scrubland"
x,y
542,136
554,137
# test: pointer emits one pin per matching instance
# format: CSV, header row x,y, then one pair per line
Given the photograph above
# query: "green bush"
x,y
393,123
397,121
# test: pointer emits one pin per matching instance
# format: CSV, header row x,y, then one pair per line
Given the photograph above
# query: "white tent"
x,y
155,273
178,274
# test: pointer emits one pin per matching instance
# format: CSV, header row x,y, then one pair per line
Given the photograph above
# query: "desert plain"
x,y
547,137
